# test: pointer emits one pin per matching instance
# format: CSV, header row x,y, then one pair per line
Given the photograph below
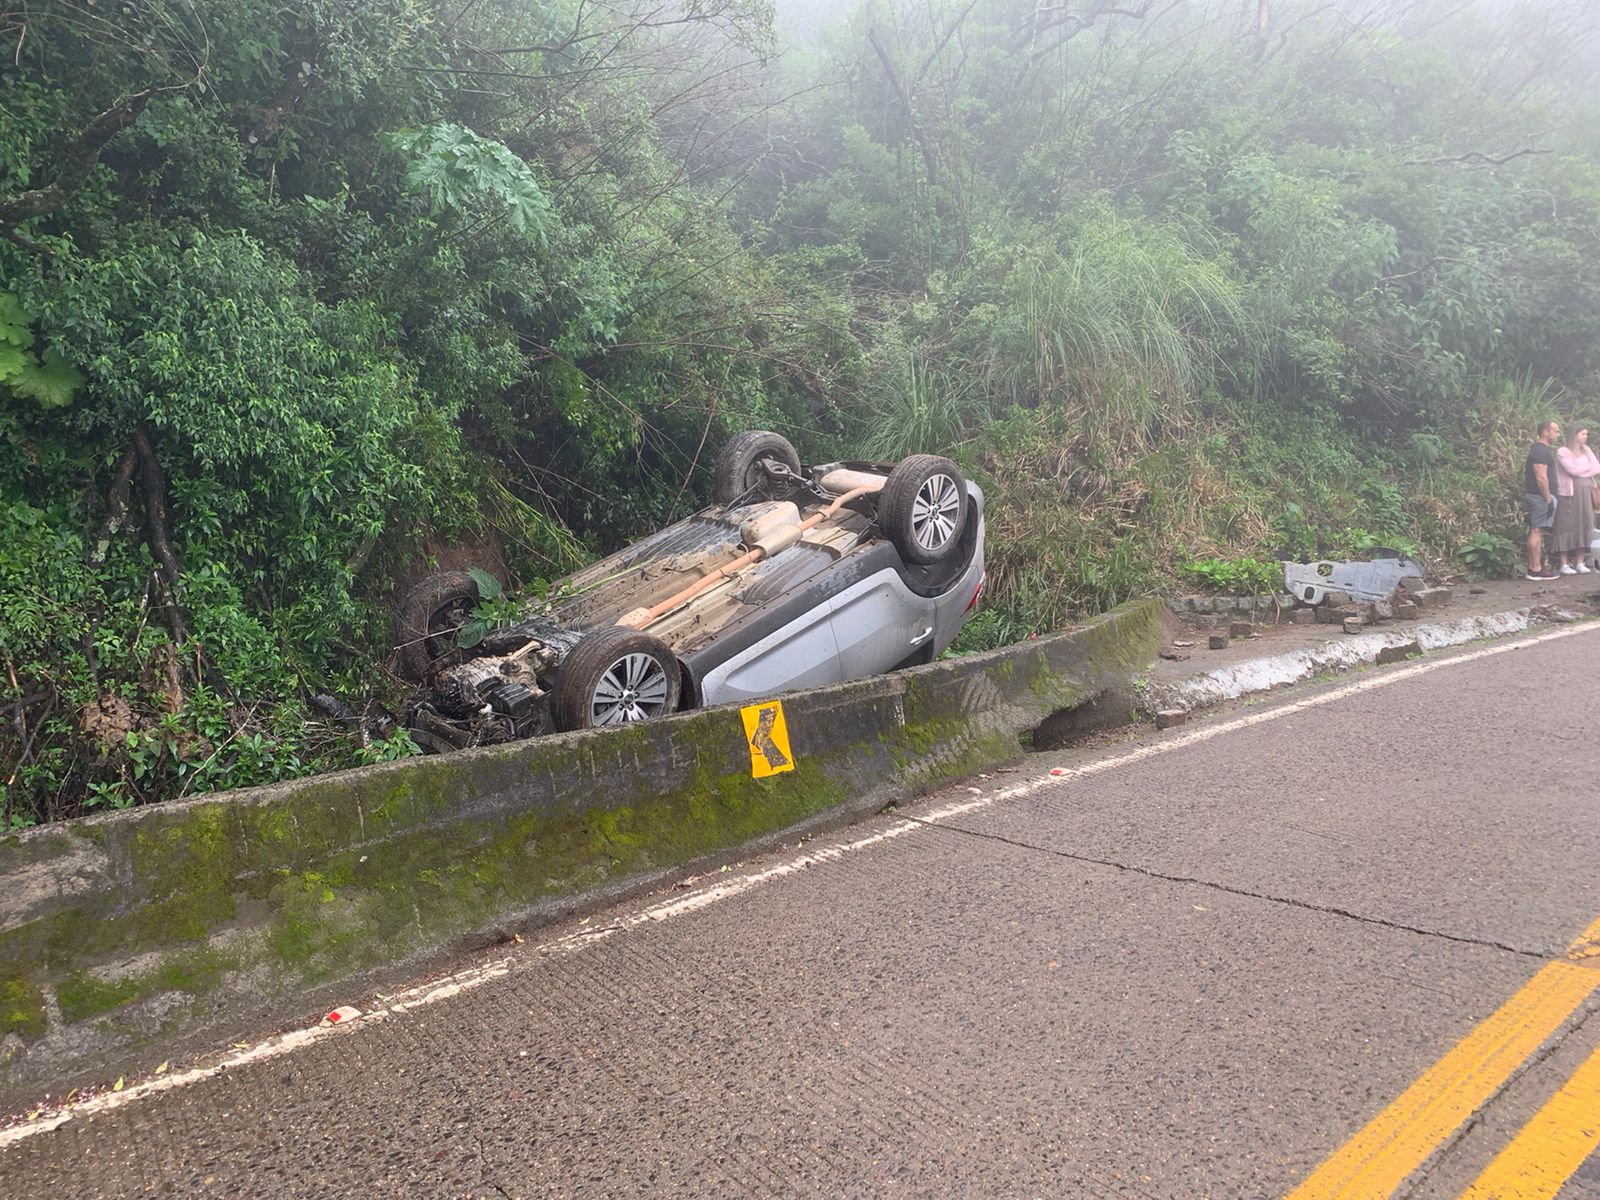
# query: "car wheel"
x,y
923,507
739,468
614,676
428,618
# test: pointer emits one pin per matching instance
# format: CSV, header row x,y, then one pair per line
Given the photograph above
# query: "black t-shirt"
x,y
1539,453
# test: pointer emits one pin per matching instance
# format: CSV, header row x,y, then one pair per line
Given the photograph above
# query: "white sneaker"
x,y
1583,568
1568,569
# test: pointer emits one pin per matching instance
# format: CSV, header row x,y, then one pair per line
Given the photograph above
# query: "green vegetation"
x,y
21,1008
295,298
1241,576
1490,556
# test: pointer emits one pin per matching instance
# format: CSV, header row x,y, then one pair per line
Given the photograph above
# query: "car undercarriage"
x,y
750,581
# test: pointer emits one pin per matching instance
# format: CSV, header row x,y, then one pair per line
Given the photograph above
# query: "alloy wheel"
x,y
634,688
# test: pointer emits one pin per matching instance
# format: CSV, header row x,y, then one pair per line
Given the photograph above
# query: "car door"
x,y
878,623
799,653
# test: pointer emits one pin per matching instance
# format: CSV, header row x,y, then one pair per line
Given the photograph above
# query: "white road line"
x,y
475,977
1207,732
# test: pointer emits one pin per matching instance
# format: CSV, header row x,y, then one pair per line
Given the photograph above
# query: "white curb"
x,y
1344,654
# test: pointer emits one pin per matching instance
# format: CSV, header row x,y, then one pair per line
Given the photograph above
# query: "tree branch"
x,y
1047,17
116,508
1474,156
929,158
940,44
75,162
289,97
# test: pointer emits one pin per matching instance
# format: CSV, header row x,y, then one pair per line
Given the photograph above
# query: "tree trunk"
x,y
159,533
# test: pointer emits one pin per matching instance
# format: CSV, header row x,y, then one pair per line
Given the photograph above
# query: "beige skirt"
x,y
1574,520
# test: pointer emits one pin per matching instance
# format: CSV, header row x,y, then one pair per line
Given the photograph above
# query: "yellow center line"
x,y
1586,947
1398,1140
1551,1146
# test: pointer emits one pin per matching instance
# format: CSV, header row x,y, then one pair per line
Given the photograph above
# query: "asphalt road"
x,y
1329,942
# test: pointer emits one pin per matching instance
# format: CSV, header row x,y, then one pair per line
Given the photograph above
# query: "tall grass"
x,y
1509,409
1085,380
1122,322
533,539
1075,528
1117,323
914,407
1477,484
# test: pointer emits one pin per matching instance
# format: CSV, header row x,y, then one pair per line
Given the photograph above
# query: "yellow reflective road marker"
x,y
768,738
1551,1147
1399,1139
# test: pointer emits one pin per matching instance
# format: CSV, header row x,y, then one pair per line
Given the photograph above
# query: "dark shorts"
x,y
1541,512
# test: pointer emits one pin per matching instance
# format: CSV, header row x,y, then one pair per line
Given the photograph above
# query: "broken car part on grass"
x,y
1365,581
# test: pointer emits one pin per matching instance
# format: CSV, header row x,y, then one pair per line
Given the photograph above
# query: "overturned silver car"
x,y
795,577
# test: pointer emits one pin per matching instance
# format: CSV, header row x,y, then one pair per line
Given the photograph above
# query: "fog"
x,y
1564,32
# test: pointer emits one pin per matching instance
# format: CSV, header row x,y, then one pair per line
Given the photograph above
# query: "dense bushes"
x,y
295,296
289,297
1198,296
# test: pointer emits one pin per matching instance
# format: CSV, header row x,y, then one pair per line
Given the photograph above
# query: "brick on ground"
x,y
1394,654
1434,597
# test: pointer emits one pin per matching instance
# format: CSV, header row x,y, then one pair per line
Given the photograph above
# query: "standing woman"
x,y
1576,469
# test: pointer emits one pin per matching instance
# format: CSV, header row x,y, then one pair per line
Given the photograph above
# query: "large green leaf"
x,y
52,382
12,359
462,173
14,323
488,586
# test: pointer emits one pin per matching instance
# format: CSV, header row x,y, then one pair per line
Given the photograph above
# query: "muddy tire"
x,y
923,508
615,676
739,468
427,620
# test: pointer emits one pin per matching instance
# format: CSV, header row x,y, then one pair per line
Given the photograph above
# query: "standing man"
x,y
1538,494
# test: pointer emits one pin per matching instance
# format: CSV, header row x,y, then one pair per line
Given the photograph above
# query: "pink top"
x,y
1574,466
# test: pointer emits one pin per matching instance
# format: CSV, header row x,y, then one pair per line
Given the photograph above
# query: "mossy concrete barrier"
x,y
123,930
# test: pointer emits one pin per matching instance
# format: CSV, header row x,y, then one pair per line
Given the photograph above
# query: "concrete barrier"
x,y
122,930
